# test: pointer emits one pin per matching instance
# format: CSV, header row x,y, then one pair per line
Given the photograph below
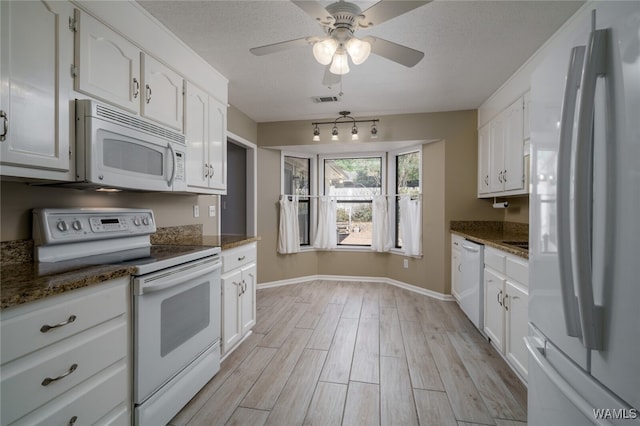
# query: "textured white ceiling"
x,y
471,48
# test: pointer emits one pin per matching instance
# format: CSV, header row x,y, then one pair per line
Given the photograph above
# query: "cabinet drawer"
x,y
494,259
518,269
88,402
23,380
236,257
21,330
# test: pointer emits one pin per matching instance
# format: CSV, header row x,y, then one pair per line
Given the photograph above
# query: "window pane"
x,y
354,223
353,181
407,182
296,175
296,182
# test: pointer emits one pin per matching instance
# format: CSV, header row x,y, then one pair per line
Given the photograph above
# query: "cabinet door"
x,y
217,145
526,124
483,159
493,310
517,312
162,88
455,272
108,65
248,299
513,176
231,328
196,131
36,52
496,153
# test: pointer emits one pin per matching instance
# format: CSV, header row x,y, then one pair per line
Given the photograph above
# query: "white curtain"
x,y
289,230
326,237
380,235
410,225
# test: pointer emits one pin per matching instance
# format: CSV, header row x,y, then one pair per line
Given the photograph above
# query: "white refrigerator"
x,y
584,254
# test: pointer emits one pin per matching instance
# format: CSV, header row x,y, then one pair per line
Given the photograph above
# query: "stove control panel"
x,y
57,226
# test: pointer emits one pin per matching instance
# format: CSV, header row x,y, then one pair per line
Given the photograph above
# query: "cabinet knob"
x,y
148,93
5,125
499,298
504,302
73,420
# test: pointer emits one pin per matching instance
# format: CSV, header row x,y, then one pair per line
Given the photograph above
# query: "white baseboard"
x,y
381,280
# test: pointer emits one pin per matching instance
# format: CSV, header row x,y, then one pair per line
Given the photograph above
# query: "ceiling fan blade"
x,y
330,78
316,11
385,10
395,52
283,45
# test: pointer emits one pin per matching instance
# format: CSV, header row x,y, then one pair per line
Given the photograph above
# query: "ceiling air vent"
x,y
323,99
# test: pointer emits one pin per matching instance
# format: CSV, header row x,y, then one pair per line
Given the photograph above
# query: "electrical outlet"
x,y
196,211
405,263
212,211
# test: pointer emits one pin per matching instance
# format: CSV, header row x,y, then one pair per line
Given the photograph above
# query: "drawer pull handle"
x,y
48,327
48,380
73,420
240,259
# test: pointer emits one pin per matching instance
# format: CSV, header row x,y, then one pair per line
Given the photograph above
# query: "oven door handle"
x,y
175,277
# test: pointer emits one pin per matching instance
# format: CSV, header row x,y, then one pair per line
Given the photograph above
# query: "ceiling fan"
x,y
340,21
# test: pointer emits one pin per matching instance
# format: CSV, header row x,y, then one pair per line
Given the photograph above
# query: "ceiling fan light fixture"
x,y
359,50
340,63
324,50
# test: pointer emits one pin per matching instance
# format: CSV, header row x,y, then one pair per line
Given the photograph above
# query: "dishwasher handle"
x,y
174,276
470,248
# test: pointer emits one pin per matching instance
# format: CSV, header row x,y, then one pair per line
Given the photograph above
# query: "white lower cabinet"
x,y
65,360
506,306
238,294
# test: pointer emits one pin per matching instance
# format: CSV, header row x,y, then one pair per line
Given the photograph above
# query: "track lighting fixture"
x,y
345,117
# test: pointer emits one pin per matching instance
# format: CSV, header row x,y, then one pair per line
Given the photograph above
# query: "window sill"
x,y
395,251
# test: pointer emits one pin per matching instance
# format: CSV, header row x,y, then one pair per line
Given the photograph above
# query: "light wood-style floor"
x,y
331,353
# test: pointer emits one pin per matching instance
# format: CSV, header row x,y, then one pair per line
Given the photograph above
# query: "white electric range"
x,y
175,297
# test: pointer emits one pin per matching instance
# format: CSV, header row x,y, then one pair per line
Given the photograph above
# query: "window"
x,y
407,181
297,181
353,181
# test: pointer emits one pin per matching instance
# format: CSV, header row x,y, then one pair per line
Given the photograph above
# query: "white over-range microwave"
x,y
115,149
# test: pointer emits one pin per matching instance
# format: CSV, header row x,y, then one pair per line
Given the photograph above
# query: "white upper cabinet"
x,y
217,145
197,133
107,64
483,159
35,56
162,100
501,153
206,132
113,69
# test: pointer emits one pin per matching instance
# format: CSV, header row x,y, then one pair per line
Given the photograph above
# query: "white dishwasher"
x,y
471,283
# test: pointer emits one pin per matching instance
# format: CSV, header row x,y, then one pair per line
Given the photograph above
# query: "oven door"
x,y
177,317
123,157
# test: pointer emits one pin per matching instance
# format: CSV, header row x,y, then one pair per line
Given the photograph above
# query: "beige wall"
x,y
518,210
17,200
240,124
449,175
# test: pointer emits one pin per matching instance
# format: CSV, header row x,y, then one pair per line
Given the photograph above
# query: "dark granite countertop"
x,y
27,282
493,234
22,280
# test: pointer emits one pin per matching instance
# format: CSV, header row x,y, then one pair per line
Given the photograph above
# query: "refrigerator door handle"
x,y
590,314
537,354
563,198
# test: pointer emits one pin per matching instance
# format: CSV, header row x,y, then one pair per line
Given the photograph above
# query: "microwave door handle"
x,y
173,169
572,85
